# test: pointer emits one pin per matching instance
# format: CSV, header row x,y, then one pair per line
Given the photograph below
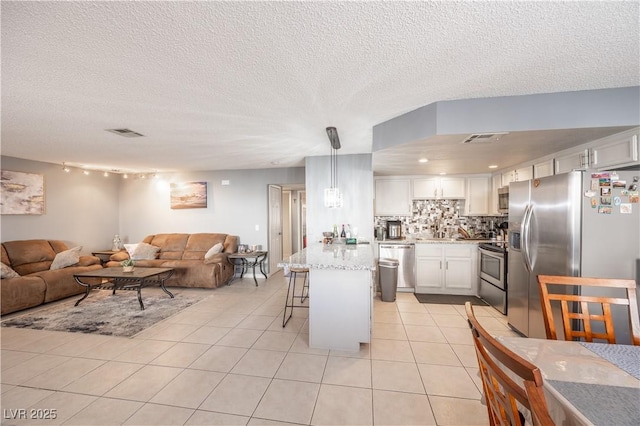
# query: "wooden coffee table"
x,y
117,279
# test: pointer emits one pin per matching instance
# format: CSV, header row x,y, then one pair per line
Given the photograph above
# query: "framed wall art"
x,y
21,193
189,195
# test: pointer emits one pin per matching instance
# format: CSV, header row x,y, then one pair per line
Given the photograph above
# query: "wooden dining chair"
x,y
589,308
498,366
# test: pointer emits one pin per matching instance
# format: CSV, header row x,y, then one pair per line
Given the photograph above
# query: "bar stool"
x,y
291,289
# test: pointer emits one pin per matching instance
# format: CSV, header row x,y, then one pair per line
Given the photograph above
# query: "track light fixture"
x,y
65,168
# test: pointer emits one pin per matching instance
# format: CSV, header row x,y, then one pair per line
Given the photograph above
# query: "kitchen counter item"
x,y
394,229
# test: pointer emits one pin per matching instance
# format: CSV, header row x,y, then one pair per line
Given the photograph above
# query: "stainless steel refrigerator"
x,y
582,223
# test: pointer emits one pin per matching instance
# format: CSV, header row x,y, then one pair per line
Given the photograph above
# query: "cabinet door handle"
x,y
594,157
446,265
441,264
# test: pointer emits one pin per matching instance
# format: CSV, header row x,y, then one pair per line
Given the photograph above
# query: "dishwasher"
x,y
405,254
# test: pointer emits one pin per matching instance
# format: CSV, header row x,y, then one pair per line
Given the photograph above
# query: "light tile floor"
x,y
227,361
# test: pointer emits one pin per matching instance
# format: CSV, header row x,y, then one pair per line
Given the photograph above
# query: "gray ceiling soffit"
x,y
551,111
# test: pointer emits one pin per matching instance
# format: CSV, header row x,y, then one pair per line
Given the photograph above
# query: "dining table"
x,y
585,383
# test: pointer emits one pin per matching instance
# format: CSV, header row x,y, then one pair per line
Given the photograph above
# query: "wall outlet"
x,y
257,227
225,182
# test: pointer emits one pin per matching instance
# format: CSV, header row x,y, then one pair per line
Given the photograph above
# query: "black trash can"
x,y
388,277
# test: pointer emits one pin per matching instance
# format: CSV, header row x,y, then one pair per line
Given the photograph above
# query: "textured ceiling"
x,y
236,85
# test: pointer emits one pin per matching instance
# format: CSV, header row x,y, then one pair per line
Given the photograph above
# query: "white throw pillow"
x,y
130,248
7,272
217,248
141,251
66,258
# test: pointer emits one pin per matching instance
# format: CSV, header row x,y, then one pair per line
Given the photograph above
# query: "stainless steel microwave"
x,y
503,199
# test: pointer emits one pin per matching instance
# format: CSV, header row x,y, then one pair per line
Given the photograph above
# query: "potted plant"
x,y
127,265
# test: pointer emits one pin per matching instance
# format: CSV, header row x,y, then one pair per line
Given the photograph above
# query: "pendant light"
x,y
332,195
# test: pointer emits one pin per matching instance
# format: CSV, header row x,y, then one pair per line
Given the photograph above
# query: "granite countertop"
x,y
333,256
433,241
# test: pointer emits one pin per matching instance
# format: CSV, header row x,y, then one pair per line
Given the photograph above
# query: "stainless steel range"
x,y
493,275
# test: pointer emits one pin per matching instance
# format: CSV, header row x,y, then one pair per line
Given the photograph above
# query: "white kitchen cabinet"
x,y
620,152
446,268
574,160
439,187
543,169
393,197
496,183
478,195
517,175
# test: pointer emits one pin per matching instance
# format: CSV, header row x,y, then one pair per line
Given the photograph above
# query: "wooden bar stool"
x,y
291,289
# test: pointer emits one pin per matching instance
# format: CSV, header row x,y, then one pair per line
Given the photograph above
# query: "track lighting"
x,y
65,168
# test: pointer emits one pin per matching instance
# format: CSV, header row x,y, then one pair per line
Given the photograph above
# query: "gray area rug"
x,y
449,299
104,313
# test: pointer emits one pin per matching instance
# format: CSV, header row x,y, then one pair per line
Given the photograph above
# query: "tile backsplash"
x,y
430,217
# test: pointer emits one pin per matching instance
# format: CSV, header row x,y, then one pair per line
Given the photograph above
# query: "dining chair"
x,y
589,309
503,394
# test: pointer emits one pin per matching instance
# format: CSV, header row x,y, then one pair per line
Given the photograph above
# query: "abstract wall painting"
x,y
21,193
189,195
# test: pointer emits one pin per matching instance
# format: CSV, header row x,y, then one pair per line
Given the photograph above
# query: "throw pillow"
x,y
217,248
130,248
66,258
7,272
142,251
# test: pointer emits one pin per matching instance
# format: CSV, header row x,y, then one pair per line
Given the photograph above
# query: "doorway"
x,y
287,222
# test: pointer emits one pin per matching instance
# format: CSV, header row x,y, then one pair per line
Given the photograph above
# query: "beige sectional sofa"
x,y
186,254
37,283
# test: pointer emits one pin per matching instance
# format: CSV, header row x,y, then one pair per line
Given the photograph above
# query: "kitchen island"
x,y
341,293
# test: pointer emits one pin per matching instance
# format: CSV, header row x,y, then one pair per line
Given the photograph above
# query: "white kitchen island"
x,y
341,293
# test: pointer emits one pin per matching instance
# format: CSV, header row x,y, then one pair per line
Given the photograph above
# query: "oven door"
x,y
492,268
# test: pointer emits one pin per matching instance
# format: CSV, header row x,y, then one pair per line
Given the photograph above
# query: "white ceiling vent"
x,y
127,133
484,137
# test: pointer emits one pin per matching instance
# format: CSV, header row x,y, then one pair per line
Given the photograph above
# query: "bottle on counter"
x,y
348,231
335,231
343,234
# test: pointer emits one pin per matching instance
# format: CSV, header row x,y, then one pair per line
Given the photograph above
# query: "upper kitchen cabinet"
x,y
618,152
439,187
478,195
393,197
574,160
542,169
517,175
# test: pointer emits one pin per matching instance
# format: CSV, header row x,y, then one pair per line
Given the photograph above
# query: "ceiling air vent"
x,y
484,137
127,133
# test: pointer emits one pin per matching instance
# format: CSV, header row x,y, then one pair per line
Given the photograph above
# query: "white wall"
x,y
79,209
355,181
233,209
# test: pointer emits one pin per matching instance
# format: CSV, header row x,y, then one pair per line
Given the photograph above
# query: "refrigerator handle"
x,y
525,232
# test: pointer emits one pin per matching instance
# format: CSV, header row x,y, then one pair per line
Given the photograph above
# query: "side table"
x,y
247,260
104,255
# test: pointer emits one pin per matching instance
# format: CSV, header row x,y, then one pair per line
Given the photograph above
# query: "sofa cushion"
x,y
199,244
29,256
171,245
7,272
66,258
141,251
217,248
21,293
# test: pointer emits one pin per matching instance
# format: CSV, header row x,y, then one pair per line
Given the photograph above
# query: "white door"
x,y
275,227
